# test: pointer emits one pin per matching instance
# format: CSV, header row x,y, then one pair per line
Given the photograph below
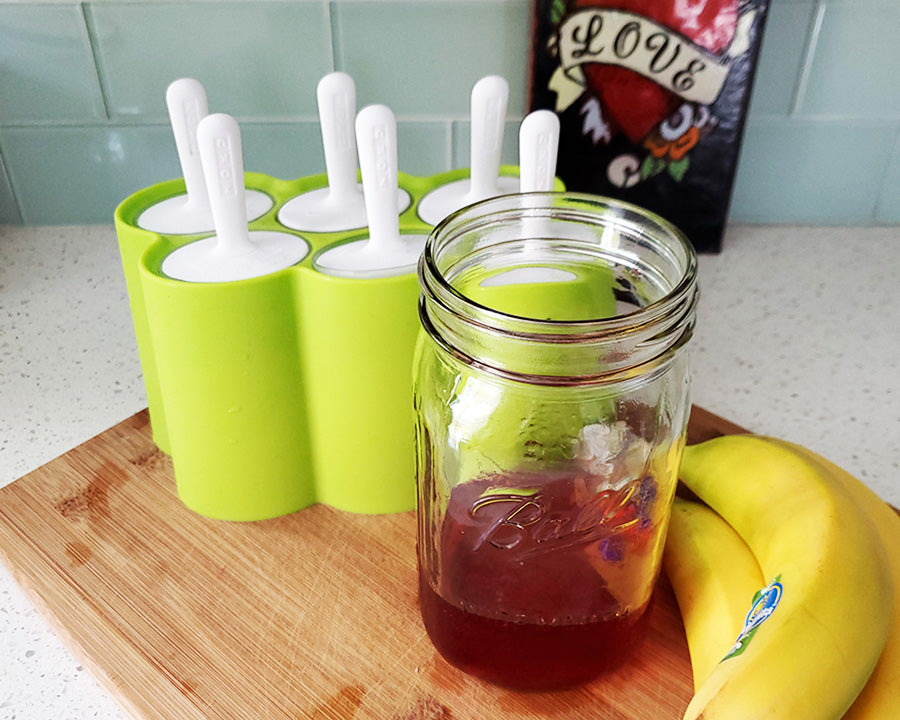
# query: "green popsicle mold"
x,y
228,360
280,391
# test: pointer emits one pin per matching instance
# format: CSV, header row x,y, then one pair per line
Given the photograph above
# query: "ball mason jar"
x,y
552,397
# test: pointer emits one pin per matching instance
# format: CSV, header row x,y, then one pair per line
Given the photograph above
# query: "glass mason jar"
x,y
552,399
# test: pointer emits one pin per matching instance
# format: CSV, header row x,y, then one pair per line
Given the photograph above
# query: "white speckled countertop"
x,y
798,336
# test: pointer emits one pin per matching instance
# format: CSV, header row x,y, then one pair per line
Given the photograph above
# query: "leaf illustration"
x,y
677,168
652,166
557,10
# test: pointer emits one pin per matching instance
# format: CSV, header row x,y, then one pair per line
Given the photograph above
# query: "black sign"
x,y
652,97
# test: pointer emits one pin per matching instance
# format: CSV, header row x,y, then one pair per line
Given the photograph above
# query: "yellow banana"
x,y
827,612
714,576
880,698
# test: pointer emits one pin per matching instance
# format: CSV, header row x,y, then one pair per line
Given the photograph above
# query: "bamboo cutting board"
x,y
310,616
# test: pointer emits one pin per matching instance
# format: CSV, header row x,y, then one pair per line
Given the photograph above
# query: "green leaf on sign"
x,y
557,10
677,168
652,166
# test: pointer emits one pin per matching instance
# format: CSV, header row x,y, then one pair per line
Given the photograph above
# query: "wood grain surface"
x,y
309,616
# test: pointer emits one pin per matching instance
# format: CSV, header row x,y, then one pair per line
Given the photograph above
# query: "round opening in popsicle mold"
x,y
190,212
328,210
205,261
489,101
361,258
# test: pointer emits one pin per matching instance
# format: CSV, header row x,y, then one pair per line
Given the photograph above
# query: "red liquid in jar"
x,y
527,595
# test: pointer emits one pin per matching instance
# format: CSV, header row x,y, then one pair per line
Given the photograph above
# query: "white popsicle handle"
x,y
538,148
336,97
490,97
187,104
376,139
219,140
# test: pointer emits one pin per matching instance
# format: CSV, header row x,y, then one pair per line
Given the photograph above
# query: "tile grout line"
x,y
88,27
333,36
809,52
452,130
12,191
448,138
877,208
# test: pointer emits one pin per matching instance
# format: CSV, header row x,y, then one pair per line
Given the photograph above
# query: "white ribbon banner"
x,y
616,37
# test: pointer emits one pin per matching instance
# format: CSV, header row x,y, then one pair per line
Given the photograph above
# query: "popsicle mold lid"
x,y
339,205
234,252
488,103
385,251
538,150
190,212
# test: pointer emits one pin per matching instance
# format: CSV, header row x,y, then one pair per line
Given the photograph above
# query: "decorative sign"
x,y
652,97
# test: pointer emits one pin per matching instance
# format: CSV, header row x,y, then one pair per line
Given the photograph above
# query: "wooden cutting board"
x,y
310,616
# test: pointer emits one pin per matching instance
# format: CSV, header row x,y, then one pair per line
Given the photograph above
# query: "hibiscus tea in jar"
x,y
552,398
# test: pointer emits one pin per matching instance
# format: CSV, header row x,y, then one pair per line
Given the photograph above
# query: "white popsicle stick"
x,y
336,97
384,251
233,253
489,101
187,105
538,148
340,205
191,213
376,132
490,98
219,141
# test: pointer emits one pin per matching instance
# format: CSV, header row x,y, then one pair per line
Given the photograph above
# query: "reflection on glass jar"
x,y
552,398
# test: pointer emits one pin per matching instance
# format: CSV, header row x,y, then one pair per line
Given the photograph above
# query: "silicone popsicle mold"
x,y
228,356
284,390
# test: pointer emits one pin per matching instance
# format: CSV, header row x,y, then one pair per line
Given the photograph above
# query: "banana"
x,y
825,616
714,576
880,698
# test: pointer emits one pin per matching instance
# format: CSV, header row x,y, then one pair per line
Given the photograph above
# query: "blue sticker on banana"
x,y
764,603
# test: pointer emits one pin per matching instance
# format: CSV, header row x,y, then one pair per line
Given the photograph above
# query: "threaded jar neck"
x,y
558,288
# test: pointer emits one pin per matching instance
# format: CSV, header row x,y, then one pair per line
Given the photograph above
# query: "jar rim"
x,y
435,285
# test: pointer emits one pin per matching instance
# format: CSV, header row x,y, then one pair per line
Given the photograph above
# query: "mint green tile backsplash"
x,y
82,95
422,58
830,154
780,65
47,71
285,149
63,175
255,59
423,146
854,61
888,208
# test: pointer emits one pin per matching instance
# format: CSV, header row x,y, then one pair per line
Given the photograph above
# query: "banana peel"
x,y
816,649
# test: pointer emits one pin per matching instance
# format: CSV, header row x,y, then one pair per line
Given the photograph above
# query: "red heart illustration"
x,y
637,104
